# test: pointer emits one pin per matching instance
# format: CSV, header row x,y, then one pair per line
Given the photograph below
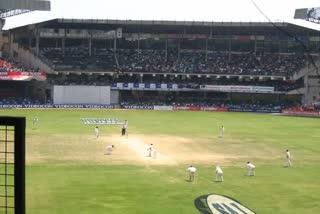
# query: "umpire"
x,y
124,128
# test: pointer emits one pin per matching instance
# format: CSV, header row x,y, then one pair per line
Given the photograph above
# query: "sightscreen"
x,y
80,94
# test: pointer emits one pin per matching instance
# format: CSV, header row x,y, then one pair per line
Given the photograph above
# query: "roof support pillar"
x,y
90,46
63,44
255,46
178,49
206,54
229,49
138,46
37,41
166,49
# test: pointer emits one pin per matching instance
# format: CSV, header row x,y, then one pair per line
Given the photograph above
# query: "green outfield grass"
x,y
67,173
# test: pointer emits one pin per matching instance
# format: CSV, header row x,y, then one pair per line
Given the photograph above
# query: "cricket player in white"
x,y
288,159
96,132
150,150
109,149
219,174
35,122
251,169
192,170
222,131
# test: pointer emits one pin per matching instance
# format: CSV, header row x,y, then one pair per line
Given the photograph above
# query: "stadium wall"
x,y
77,94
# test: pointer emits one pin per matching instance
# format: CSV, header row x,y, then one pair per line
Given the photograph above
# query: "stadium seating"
x,y
9,65
21,101
76,58
279,85
305,108
187,61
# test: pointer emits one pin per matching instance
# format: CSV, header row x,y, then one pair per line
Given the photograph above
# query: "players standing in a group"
x,y
35,122
124,128
219,174
222,131
109,149
192,170
288,159
251,169
96,132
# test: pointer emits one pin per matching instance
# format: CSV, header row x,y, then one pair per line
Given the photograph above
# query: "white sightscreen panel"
x,y
77,94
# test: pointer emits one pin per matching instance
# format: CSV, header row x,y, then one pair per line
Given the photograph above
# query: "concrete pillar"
x,y
1,37
10,43
37,44
229,50
179,49
115,44
206,55
306,85
166,49
30,42
255,45
63,44
90,47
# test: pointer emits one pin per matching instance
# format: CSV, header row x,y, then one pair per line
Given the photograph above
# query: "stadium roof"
x,y
171,10
174,27
17,7
25,4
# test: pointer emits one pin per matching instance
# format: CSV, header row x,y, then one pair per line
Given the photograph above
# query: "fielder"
x,y
221,131
251,169
288,159
35,122
109,149
192,170
96,132
150,150
219,174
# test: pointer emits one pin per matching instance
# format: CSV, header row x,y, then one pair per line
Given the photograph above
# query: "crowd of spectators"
x,y
186,61
99,80
305,108
218,100
75,58
21,101
183,61
217,104
189,61
9,65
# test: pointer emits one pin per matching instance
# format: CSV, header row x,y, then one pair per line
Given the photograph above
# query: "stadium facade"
x,y
169,62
